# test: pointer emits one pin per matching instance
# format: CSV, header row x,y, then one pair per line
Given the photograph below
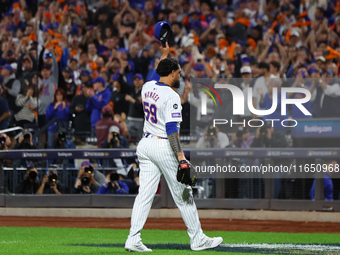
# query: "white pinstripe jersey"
x,y
161,105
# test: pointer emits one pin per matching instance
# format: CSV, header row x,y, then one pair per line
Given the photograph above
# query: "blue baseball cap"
x,y
99,79
199,67
8,67
245,59
240,42
8,13
115,76
164,33
85,73
312,70
74,30
67,69
85,163
194,13
139,76
182,60
123,50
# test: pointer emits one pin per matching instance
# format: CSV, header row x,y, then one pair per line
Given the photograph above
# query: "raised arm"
x,y
165,52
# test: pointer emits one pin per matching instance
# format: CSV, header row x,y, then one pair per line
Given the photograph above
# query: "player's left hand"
x,y
183,173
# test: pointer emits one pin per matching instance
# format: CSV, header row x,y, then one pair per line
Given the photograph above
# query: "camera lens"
x,y
211,131
53,178
85,181
114,177
2,139
32,175
88,169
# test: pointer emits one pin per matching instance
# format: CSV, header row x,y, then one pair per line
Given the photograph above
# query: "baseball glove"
x,y
183,173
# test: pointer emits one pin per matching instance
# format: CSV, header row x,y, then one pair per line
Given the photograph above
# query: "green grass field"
x,y
18,240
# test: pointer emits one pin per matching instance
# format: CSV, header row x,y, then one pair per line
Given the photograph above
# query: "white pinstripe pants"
x,y
156,158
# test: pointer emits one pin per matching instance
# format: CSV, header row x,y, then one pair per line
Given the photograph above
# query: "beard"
x,y
175,84
176,80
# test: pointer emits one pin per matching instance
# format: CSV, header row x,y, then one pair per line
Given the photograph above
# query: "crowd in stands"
x,y
68,60
86,61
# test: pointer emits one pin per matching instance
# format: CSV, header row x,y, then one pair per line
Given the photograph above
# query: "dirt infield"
x,y
174,224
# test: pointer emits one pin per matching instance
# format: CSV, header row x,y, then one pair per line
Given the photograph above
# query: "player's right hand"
x,y
164,50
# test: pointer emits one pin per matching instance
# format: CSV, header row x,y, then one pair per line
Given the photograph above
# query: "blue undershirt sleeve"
x,y
155,76
171,127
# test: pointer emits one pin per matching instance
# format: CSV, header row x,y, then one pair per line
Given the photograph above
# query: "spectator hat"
x,y
164,33
8,67
263,65
219,36
115,76
87,84
194,13
99,79
107,109
114,129
246,69
321,58
147,47
240,43
230,62
85,73
85,163
25,58
199,67
312,70
74,30
285,7
139,76
183,60
241,131
10,53
187,40
123,50
295,33
14,66
48,15
48,67
33,46
7,13
67,70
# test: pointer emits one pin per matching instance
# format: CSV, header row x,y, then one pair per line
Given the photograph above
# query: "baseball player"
x,y
159,152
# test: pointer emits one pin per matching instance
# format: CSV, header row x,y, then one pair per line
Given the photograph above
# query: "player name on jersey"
x,y
152,95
